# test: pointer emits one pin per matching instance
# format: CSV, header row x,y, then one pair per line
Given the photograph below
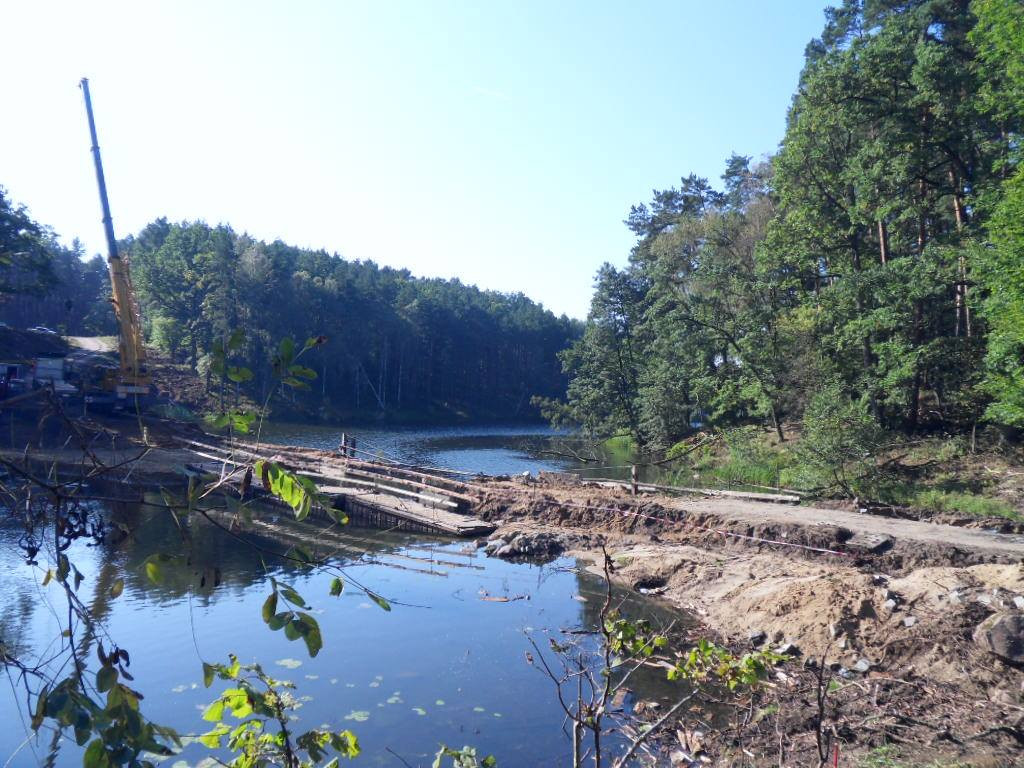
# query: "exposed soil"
x,y
891,607
887,606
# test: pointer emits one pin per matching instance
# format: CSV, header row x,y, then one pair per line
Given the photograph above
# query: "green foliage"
x,y
298,492
258,702
840,443
749,458
27,251
463,758
855,258
294,620
115,731
891,756
707,660
412,347
965,503
632,638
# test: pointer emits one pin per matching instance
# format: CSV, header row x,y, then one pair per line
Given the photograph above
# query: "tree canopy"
x,y
878,254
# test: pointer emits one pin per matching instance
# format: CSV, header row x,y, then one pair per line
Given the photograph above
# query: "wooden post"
x,y
633,478
343,445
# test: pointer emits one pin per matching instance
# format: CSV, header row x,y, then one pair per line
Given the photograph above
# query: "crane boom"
x,y
134,375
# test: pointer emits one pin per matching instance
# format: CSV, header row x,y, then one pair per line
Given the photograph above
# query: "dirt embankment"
x,y
892,606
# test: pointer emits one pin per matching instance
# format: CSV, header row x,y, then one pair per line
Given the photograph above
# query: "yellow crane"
x,y
133,378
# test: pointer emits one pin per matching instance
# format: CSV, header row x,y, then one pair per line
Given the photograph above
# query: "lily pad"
x,y
439,702
359,715
419,710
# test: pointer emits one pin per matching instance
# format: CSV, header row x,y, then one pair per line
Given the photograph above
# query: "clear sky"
x,y
501,143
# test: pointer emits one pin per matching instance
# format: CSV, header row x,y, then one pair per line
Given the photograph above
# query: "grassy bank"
x,y
934,474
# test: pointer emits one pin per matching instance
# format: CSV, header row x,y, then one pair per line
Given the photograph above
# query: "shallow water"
x,y
444,665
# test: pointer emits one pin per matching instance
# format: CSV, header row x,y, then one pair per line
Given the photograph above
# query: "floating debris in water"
x,y
359,715
289,663
419,710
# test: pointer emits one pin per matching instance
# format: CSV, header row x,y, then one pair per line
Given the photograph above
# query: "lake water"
x,y
489,450
445,665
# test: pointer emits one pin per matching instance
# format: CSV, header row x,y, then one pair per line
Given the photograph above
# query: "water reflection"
x,y
443,666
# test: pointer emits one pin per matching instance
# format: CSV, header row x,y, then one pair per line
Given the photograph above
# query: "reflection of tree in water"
x,y
227,553
647,682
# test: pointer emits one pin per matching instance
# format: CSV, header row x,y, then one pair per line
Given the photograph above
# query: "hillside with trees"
x,y
399,347
870,275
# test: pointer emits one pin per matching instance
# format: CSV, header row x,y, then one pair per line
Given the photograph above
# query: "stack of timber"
x,y
374,493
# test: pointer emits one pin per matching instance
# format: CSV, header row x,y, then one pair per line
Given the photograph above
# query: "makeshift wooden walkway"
x,y
370,492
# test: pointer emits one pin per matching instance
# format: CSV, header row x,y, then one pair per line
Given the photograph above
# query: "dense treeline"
x,y
397,344
875,263
44,283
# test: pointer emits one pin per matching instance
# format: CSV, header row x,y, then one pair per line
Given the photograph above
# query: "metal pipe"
x,y
108,222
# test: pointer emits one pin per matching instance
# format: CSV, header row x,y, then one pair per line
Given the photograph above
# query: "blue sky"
x,y
501,143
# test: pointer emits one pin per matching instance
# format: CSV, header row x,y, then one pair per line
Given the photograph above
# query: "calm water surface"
x,y
443,666
489,450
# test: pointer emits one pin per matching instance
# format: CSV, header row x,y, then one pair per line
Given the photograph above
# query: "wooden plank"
x,y
775,498
428,517
315,466
383,501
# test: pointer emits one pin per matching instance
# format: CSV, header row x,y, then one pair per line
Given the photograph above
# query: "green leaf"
x,y
270,607
337,515
211,739
214,712
279,620
292,596
379,600
117,589
239,374
236,339
95,755
337,586
345,743
310,631
105,679
218,421
153,572
286,350
292,629
302,372
40,713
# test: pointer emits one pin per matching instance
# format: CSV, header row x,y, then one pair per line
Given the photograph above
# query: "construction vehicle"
x,y
131,380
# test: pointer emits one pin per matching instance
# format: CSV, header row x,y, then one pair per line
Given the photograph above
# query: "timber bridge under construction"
x,y
391,494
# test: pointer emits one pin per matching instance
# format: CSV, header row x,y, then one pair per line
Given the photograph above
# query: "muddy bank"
x,y
902,624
